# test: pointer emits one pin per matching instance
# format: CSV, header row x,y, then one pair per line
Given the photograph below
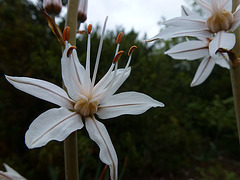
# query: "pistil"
x,y
86,108
220,21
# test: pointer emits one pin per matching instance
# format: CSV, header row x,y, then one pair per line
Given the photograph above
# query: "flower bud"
x,y
52,6
220,21
82,10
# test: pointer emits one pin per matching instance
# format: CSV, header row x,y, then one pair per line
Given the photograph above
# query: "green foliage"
x,y
187,138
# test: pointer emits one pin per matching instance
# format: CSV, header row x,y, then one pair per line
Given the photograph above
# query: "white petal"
x,y
73,73
188,22
189,50
108,88
10,174
236,21
54,124
204,4
120,79
203,71
126,103
98,133
105,81
221,40
215,6
172,32
226,4
223,61
42,89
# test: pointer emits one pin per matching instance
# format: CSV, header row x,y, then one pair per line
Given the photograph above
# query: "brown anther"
x,y
89,29
117,57
69,51
131,50
66,33
119,38
81,32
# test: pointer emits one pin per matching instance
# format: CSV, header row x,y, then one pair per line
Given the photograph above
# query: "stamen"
x,y
108,87
103,80
131,50
69,51
117,57
99,52
87,82
89,29
66,33
81,32
119,38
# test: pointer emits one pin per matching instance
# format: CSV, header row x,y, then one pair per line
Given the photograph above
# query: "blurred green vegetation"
x,y
194,136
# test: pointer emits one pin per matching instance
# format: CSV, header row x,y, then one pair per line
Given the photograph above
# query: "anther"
x,y
131,50
66,33
119,38
89,29
81,32
117,57
69,51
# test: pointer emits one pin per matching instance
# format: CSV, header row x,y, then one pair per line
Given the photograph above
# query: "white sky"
x,y
141,15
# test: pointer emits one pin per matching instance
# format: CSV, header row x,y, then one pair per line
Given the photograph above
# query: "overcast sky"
x,y
141,15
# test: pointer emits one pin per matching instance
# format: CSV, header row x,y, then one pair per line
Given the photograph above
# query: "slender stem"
x,y
235,74
70,143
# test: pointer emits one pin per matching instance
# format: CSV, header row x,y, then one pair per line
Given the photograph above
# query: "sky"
x,y
141,15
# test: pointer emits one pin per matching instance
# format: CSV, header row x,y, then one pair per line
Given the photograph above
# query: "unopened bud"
x,y
131,50
82,10
117,57
119,38
52,6
220,21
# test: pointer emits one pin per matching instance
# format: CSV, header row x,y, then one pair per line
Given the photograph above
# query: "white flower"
x,y
218,18
211,32
10,174
206,49
84,99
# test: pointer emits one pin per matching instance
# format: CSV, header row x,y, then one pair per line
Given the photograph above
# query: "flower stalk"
x,y
235,74
70,143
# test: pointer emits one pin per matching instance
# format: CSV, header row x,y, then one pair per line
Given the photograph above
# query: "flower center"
x,y
221,20
85,108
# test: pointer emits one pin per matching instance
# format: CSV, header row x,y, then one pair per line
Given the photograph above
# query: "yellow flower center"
x,y
85,108
220,21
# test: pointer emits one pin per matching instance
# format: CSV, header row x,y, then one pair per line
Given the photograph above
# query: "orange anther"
x,y
80,32
117,57
119,38
89,29
69,51
131,50
66,33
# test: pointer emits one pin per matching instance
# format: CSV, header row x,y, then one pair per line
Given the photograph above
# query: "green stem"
x,y
235,74
70,143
